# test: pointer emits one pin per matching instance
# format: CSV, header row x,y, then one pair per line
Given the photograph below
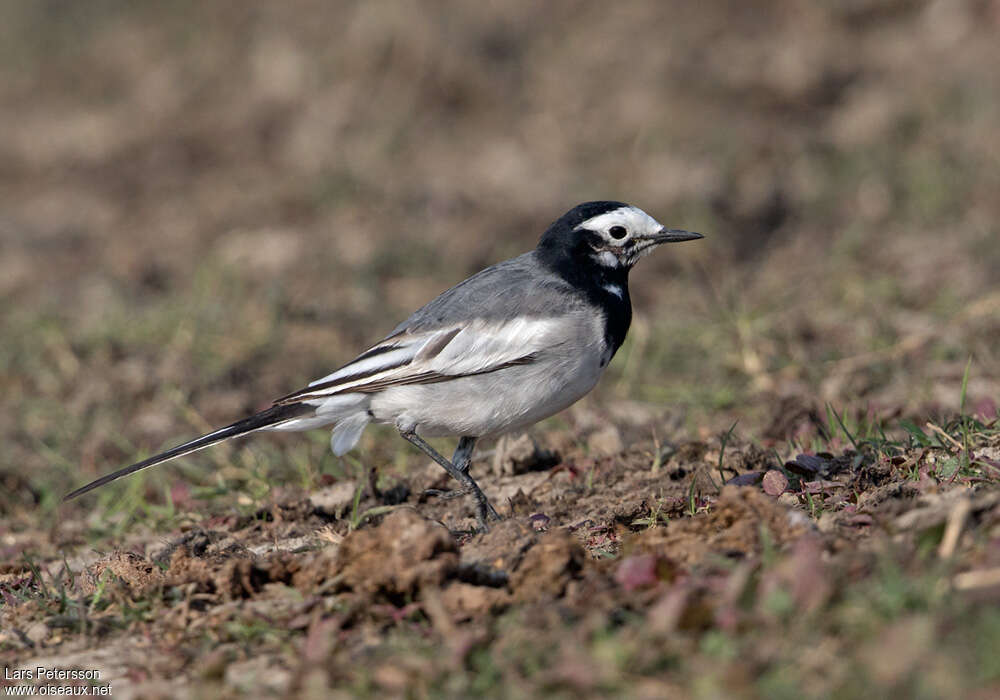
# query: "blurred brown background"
x,y
205,205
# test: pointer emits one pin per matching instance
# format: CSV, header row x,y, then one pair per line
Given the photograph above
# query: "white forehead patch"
x,y
635,221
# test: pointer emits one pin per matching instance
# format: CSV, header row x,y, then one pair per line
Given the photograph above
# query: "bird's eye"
x,y
618,232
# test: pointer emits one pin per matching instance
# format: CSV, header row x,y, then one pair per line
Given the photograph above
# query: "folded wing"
x,y
425,356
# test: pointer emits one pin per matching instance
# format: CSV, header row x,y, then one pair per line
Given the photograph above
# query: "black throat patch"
x,y
570,254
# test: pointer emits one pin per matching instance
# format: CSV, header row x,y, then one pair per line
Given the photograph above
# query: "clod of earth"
x,y
734,527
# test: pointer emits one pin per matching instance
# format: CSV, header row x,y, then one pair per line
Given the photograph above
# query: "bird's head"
x,y
612,236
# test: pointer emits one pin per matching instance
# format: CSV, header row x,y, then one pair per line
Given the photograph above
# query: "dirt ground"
x,y
618,573
786,485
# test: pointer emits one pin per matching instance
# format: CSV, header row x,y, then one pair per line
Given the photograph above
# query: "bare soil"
x,y
312,603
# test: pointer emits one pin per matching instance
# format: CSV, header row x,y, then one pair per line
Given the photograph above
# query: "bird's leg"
x,y
462,459
459,473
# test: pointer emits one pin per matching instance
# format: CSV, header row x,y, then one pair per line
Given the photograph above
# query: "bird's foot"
x,y
444,494
484,511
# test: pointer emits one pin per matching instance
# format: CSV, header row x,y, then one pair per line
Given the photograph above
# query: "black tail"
x,y
258,421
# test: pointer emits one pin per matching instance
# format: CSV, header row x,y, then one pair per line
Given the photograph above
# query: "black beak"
x,y
673,235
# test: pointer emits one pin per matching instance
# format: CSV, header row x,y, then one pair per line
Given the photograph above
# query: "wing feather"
x,y
435,355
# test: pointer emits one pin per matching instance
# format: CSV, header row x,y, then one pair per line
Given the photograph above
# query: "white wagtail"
x,y
507,347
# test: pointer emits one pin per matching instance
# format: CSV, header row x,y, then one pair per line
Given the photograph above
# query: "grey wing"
x,y
515,287
499,317
411,357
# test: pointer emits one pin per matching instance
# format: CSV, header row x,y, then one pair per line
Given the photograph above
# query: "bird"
x,y
511,345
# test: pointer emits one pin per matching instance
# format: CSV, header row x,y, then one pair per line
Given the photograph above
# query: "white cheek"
x,y
607,258
614,289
